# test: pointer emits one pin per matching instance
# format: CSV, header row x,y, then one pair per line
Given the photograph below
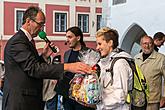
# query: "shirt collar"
x,y
27,34
108,58
152,56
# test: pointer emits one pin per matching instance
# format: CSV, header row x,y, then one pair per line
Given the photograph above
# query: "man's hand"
x,y
78,67
47,51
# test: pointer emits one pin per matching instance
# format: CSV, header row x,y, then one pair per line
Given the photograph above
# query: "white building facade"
x,y
133,19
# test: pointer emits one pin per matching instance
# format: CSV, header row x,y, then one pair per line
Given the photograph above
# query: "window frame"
x,y
54,21
87,21
97,21
114,2
15,16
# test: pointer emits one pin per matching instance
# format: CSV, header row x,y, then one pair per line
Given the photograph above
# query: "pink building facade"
x,y
59,16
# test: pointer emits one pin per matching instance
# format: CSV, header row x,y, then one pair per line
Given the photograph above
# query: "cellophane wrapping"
x,y
85,88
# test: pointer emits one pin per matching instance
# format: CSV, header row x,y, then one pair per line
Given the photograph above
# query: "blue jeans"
x,y
59,103
52,103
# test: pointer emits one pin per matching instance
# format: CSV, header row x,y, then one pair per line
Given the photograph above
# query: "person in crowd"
x,y
49,95
152,65
76,44
159,39
25,69
114,87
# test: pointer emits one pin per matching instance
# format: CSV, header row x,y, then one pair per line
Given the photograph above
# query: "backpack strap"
x,y
110,70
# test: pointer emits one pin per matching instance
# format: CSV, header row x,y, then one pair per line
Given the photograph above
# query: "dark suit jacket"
x,y
24,73
62,86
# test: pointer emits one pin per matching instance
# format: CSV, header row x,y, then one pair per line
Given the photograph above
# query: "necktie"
x,y
33,42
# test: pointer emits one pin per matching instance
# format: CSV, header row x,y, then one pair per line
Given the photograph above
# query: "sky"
x,y
162,49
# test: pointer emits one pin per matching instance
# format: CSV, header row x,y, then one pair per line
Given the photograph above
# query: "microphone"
x,y
42,35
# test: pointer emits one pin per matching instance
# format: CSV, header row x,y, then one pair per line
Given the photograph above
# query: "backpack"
x,y
137,96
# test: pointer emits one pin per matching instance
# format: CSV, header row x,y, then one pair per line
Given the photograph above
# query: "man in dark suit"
x,y
25,69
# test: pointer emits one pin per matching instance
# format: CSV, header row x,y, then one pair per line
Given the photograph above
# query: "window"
x,y
115,2
60,22
98,22
83,22
19,19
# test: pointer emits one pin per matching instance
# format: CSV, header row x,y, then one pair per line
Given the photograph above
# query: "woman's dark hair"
x,y
31,13
77,32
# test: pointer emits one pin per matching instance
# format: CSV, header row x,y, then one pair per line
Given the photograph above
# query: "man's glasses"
x,y
42,24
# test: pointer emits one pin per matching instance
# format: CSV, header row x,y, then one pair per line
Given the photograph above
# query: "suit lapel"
x,y
33,48
29,44
67,54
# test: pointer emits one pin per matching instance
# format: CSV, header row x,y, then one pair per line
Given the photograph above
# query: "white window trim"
x,y
54,21
15,15
77,13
